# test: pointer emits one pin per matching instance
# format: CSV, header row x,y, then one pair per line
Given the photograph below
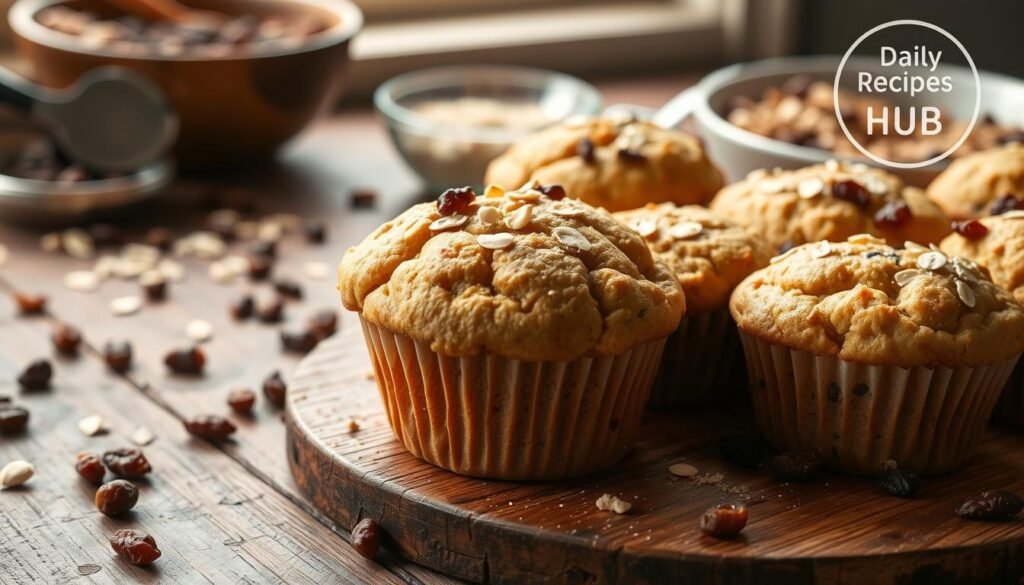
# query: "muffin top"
x,y
999,247
613,162
866,302
970,186
831,201
708,254
522,274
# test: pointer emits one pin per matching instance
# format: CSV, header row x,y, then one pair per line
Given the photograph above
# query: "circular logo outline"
x,y
977,94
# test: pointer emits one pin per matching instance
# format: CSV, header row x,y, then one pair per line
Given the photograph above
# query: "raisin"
x,y
741,451
210,426
135,547
242,400
903,484
554,192
242,308
260,267
971,229
724,520
796,466
455,201
30,304
585,150
316,232
105,235
893,215
127,462
632,156
272,311
363,198
1006,203
1011,137
224,223
323,323
160,238
13,419
116,497
366,538
36,376
275,389
288,288
189,361
851,191
301,342
90,467
66,339
267,248
118,355
991,505
154,287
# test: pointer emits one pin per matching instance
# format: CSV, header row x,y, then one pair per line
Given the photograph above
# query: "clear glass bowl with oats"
x,y
448,123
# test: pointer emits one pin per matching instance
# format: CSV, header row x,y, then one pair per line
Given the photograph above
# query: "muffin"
x,y
868,355
615,163
984,183
703,361
997,243
514,335
831,201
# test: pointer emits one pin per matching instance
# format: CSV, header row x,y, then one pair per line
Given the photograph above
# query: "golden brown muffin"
x,y
615,163
710,256
865,354
831,201
971,185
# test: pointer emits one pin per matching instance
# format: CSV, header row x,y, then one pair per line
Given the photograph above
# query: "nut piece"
x,y
124,306
931,260
572,238
366,538
489,214
199,330
520,218
495,241
724,520
91,425
142,436
685,230
447,222
682,470
16,473
608,502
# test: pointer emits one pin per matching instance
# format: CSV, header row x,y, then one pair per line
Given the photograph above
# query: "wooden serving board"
x,y
836,530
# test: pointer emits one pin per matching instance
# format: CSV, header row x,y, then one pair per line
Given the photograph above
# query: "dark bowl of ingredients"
x,y
243,83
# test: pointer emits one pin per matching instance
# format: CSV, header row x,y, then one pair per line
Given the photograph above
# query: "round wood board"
x,y
835,530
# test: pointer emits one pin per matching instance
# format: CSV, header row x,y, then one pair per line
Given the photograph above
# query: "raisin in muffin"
x,y
831,201
862,353
615,163
709,256
514,335
997,243
984,183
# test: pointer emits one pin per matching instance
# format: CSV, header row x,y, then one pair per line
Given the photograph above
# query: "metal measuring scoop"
x,y
110,120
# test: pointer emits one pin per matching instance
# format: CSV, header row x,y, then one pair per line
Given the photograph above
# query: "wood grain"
x,y
835,530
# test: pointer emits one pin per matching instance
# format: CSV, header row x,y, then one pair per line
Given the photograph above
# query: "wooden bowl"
x,y
233,109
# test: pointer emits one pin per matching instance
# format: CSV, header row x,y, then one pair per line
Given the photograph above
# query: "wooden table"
x,y
222,514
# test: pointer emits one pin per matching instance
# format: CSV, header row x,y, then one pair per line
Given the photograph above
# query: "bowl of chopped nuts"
x,y
781,113
243,83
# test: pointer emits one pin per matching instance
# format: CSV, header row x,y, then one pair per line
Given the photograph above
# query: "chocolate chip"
x,y
585,150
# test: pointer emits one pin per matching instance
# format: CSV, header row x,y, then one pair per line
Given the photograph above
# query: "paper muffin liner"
x,y
702,363
1010,408
857,417
501,418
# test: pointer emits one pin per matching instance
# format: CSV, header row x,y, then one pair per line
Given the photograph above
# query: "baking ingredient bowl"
x,y
234,107
449,123
739,151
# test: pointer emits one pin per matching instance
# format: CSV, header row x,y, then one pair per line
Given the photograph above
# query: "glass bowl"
x,y
449,123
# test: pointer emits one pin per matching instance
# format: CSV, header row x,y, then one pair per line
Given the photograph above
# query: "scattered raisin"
x,y
13,419
724,520
363,198
266,248
971,229
323,323
90,467
903,484
893,215
135,547
585,150
741,451
118,355
288,288
116,497
30,304
852,192
272,311
1006,203
210,426
366,538
105,235
160,238
796,466
455,200
991,505
260,267
186,361
36,376
554,192
66,339
154,288
224,223
241,400
127,462
316,232
242,308
629,155
299,341
275,389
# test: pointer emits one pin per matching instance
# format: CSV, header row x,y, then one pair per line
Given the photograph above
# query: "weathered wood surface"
x,y
837,530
